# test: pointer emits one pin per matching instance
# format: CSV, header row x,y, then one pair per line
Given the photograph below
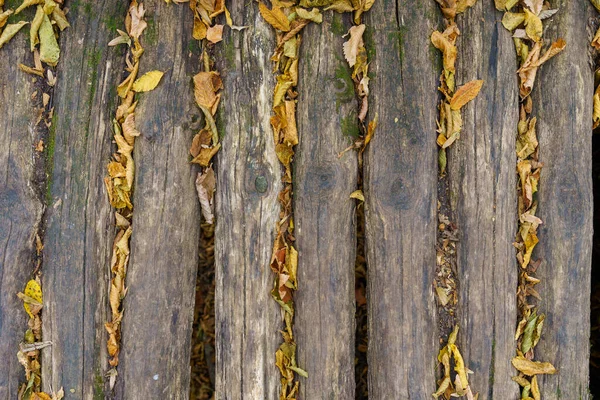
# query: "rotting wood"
x,y
481,188
248,181
324,211
21,205
79,233
400,192
563,101
157,327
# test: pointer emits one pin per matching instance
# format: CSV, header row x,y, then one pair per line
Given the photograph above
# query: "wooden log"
x,y
324,212
248,320
80,229
20,205
563,103
400,192
483,198
161,277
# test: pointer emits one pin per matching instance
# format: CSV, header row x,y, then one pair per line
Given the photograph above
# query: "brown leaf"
x,y
205,186
465,93
214,34
206,85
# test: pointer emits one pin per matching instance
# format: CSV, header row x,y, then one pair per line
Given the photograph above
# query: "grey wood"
x,y
80,229
482,178
248,320
563,102
21,204
161,277
401,192
324,213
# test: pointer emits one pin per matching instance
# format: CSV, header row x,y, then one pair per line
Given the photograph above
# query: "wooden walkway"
x,y
400,186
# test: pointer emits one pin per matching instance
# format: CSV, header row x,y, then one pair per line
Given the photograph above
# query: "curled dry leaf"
x,y
205,186
530,368
9,31
275,17
353,44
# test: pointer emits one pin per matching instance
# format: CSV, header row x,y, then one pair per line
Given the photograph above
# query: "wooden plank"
x,y
248,320
80,230
563,103
20,205
401,192
161,276
483,198
324,213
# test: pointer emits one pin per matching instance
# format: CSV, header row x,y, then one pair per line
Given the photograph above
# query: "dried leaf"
x,y
206,85
9,31
531,368
214,34
313,15
205,186
49,50
275,17
147,82
352,45
358,195
138,24
34,292
465,93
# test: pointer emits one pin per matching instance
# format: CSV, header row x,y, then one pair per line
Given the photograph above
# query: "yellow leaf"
x,y
4,17
512,20
147,82
465,94
533,26
448,49
9,31
49,50
35,27
34,291
358,195
530,368
206,85
313,15
275,17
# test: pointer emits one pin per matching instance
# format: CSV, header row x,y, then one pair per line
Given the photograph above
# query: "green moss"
x,y
229,52
98,385
87,8
370,44
150,35
93,62
349,125
343,84
337,25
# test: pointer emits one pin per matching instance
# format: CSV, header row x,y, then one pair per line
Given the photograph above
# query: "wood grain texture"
x,y
161,277
324,214
401,192
563,102
484,202
248,320
80,226
20,205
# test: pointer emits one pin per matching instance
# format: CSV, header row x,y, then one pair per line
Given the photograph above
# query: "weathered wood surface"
x,y
481,172
324,213
248,320
401,192
20,206
157,324
80,231
563,102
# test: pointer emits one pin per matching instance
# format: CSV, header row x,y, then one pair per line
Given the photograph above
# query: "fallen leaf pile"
x,y
289,18
449,127
121,170
29,349
48,15
207,87
596,45
525,22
